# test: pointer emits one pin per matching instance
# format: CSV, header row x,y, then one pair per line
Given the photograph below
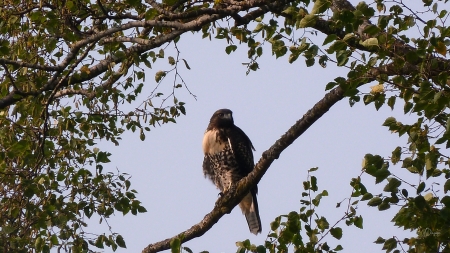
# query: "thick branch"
x,y
227,202
66,92
29,65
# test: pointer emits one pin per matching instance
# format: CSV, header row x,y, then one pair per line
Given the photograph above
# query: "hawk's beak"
x,y
227,116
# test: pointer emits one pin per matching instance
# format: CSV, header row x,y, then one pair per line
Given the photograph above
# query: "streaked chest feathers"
x,y
220,163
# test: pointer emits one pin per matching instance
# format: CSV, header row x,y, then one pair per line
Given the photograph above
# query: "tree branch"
x,y
66,92
231,198
29,65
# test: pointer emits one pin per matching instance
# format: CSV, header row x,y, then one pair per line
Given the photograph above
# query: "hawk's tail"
x,y
249,207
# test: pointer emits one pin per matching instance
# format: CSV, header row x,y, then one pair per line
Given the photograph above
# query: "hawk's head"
x,y
221,118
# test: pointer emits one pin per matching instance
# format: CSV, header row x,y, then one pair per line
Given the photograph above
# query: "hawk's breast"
x,y
213,143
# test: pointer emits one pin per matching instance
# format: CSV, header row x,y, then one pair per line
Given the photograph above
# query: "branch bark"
x,y
231,198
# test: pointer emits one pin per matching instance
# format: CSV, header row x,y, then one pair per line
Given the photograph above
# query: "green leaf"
x,y
336,232
420,201
379,240
374,201
370,42
393,185
230,49
186,64
322,223
54,240
396,155
329,38
314,183
441,48
160,75
99,242
161,52
407,162
291,10
38,244
71,5
275,224
320,6
175,245
330,85
336,46
342,57
102,157
421,187
29,191
447,186
310,62
390,122
390,244
261,249
258,28
381,175
446,201
313,169
338,248
259,51
308,21
367,196
405,193
391,102
8,229
151,13
408,106
384,206
188,250
372,30
120,241
348,36
171,60
412,57
358,221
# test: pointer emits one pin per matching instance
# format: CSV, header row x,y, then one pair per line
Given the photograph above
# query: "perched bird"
x,y
229,158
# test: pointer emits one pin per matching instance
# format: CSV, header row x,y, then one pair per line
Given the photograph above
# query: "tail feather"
x,y
249,207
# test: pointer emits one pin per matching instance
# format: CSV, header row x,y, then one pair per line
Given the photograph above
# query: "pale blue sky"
x,y
167,166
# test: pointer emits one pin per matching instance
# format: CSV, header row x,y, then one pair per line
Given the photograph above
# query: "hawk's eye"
x,y
221,115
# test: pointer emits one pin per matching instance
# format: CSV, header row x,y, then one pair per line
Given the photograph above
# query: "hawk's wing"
x,y
243,150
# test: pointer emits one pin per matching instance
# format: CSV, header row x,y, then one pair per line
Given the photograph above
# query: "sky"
x,y
166,168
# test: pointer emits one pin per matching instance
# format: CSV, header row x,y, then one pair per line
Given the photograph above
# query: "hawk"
x,y
229,158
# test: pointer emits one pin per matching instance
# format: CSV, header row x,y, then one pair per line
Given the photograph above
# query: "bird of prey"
x,y
229,158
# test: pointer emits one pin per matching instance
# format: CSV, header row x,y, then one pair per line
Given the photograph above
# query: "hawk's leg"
x,y
225,190
231,187
219,200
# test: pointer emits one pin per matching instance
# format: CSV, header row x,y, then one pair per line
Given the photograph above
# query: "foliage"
x,y
407,66
304,231
71,71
